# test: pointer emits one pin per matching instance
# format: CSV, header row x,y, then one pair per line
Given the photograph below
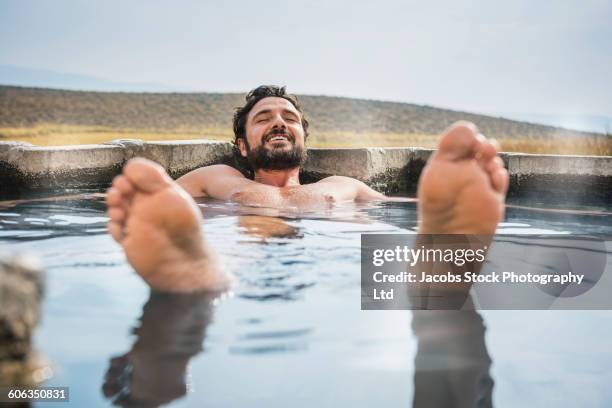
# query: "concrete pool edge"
x,y
25,168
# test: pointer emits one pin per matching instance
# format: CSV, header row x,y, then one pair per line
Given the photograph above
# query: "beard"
x,y
264,158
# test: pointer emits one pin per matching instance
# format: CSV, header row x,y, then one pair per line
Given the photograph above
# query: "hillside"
x,y
24,110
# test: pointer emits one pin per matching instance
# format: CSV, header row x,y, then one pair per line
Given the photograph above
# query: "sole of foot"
x,y
159,227
463,186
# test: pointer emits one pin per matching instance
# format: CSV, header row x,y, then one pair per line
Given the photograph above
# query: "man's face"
x,y
275,136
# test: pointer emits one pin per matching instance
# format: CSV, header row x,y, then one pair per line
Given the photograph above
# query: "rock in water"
x,y
21,292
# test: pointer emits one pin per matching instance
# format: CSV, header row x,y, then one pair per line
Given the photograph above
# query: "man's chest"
x,y
304,196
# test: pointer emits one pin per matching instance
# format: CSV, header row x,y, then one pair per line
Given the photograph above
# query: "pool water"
x,y
292,333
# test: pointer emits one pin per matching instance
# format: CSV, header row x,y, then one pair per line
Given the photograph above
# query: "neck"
x,y
279,178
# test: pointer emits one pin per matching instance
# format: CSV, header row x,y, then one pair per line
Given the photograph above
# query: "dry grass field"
x,y
47,117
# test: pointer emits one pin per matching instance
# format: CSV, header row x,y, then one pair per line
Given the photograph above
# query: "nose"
x,y
279,122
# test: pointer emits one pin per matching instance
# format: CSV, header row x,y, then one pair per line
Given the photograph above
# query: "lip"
x,y
278,138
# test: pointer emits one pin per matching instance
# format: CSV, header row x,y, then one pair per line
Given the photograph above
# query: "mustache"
x,y
268,159
278,132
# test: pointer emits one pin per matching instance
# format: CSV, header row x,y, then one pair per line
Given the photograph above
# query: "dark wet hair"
x,y
256,95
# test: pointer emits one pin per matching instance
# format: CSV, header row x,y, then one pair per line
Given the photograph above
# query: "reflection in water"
x,y
451,366
30,220
452,363
154,372
264,227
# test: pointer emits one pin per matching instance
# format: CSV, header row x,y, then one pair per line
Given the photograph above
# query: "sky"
x,y
546,57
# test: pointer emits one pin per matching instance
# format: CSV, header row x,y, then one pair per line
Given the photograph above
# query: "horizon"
x,y
584,123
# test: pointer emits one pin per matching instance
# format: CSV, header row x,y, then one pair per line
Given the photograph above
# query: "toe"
x,y
494,164
500,180
116,214
146,175
460,141
487,151
123,184
495,144
116,231
114,197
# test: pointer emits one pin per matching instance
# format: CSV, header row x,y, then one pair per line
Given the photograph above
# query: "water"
x,y
292,332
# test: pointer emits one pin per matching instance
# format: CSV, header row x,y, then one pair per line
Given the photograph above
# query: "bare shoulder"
x,y
216,169
201,182
340,180
354,189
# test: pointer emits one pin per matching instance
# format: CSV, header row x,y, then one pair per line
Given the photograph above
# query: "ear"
x,y
242,147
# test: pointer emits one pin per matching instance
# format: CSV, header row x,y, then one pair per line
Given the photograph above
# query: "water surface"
x,y
292,332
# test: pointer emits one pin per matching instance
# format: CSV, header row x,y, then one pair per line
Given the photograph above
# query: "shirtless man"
x,y
270,133
159,226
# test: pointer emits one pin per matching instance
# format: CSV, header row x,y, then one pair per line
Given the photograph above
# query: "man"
x,y
155,219
270,133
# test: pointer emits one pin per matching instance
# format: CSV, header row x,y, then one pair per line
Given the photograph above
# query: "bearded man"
x,y
270,132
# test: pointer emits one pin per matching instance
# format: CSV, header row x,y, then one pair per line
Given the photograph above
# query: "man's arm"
x,y
218,181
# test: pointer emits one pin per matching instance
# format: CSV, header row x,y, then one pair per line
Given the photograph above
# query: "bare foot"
x,y
463,186
159,227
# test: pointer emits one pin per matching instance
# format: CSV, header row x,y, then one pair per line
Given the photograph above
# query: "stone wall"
x,y
27,169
